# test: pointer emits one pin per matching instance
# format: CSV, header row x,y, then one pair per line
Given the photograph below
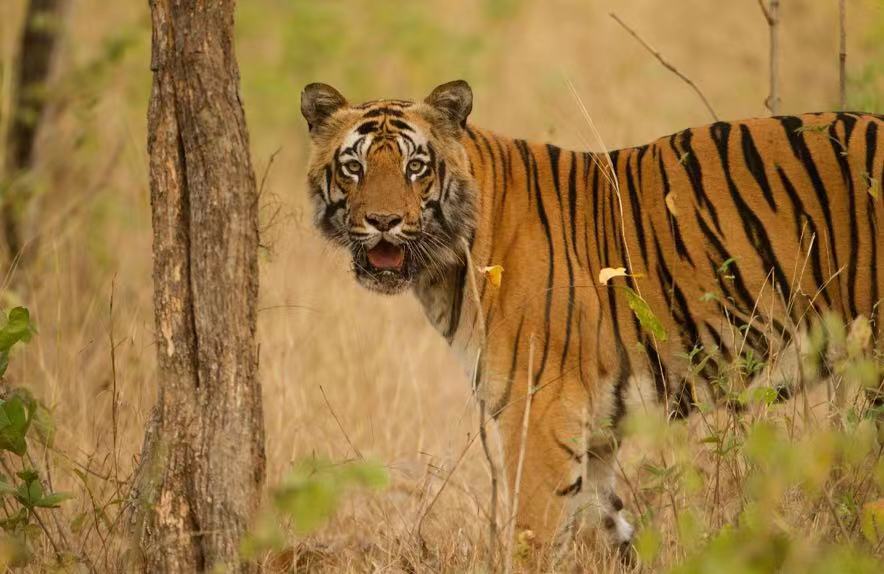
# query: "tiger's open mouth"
x,y
385,268
386,257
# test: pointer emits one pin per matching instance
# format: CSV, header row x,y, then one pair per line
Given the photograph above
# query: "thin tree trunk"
x,y
42,26
202,466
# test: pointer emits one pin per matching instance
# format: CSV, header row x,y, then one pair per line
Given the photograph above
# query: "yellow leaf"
x,y
609,273
670,203
494,274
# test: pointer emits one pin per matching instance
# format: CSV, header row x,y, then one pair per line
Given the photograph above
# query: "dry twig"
x,y
772,16
666,64
526,418
340,426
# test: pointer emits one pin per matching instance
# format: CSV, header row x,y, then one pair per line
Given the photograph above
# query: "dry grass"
x,y
335,359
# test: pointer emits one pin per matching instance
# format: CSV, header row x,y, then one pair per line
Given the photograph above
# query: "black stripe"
x,y
638,224
677,302
598,224
507,393
572,489
755,163
719,342
695,174
802,218
496,212
554,156
523,153
746,298
383,111
572,204
580,360
839,149
457,304
752,226
756,338
620,385
507,170
683,401
367,128
573,454
657,367
871,144
680,246
401,125
792,126
541,212
441,172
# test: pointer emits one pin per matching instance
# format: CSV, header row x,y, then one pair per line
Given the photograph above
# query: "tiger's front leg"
x,y
566,485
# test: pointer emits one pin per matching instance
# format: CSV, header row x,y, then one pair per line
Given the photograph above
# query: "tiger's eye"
x,y
415,166
353,167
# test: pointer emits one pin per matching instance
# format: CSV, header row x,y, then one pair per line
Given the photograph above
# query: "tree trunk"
x,y
42,26
202,465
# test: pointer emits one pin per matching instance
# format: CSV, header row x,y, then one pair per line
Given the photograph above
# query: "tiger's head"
x,y
390,181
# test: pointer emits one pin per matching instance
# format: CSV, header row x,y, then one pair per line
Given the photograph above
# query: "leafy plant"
x,y
23,493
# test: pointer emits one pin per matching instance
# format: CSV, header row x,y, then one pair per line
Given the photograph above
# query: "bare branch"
x,y
666,64
842,54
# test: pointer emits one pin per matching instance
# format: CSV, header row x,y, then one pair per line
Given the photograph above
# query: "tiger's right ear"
x,y
319,102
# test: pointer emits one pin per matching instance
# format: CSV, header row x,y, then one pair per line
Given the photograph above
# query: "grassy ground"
x,y
347,372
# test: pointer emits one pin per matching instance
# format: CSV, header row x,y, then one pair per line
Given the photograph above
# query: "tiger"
x,y
732,236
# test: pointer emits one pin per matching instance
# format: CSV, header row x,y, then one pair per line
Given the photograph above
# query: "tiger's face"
x,y
390,181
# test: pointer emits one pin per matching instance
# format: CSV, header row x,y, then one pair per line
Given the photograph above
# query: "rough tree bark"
x,y
42,26
202,465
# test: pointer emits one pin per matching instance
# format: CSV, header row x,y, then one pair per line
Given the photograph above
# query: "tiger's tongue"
x,y
386,256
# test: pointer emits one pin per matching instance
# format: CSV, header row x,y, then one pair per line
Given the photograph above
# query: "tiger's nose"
x,y
383,222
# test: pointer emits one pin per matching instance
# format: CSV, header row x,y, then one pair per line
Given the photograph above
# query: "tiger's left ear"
x,y
454,99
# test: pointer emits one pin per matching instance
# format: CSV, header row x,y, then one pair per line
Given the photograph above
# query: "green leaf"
x,y
53,500
28,475
12,435
18,328
645,316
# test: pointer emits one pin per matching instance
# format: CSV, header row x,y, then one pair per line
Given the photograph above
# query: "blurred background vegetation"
x,y
386,376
